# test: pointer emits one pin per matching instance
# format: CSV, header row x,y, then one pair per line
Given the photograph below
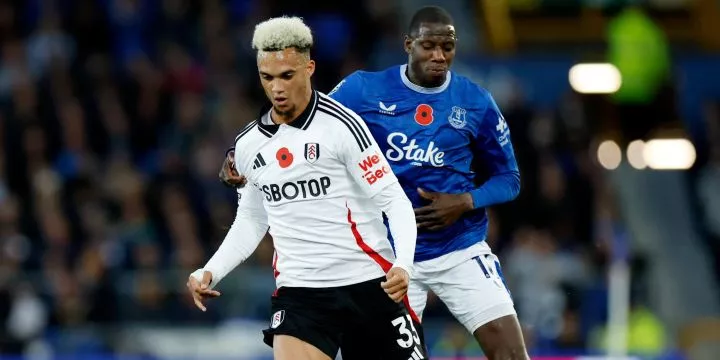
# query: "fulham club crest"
x,y
277,319
312,152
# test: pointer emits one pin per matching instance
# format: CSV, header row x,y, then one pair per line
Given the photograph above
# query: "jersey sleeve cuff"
x,y
478,198
407,268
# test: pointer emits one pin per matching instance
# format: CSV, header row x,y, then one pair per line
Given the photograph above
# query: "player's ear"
x,y
408,44
310,67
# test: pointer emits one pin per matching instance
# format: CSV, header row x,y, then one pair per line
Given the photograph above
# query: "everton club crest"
x,y
457,117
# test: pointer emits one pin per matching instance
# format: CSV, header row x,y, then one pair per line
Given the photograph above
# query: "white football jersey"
x,y
314,179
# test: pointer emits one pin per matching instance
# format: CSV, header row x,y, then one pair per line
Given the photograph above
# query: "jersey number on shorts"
x,y
408,337
491,269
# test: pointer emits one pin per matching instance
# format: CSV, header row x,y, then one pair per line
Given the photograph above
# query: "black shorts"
x,y
354,346
354,314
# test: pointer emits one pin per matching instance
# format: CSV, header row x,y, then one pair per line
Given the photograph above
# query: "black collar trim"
x,y
302,122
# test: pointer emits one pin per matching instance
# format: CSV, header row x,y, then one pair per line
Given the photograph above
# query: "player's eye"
x,y
449,47
287,75
266,77
427,45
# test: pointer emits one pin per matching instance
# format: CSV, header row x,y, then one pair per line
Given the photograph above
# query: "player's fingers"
x,y
388,283
398,296
226,178
198,302
209,293
426,194
428,219
193,284
395,283
226,164
425,210
206,279
428,223
396,288
435,226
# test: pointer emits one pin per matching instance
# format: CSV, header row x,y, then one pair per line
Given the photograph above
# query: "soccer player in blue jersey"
x,y
432,125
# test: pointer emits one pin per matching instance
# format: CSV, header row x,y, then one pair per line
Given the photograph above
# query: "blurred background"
x,y
115,115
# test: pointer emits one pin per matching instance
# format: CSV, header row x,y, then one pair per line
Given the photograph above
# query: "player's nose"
x,y
277,89
438,55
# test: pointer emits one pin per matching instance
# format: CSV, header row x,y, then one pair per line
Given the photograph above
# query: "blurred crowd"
x,y
115,116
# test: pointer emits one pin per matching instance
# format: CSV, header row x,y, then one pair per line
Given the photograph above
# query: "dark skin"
x,y
228,175
431,50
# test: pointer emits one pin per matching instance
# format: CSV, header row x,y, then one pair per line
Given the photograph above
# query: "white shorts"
x,y
468,281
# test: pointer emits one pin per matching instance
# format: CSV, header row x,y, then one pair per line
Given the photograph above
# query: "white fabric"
x,y
401,218
473,296
324,210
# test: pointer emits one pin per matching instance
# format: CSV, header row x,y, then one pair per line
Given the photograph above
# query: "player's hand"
x,y
228,174
443,210
396,284
200,290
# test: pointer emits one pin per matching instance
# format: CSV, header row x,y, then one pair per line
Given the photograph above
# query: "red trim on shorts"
x,y
384,264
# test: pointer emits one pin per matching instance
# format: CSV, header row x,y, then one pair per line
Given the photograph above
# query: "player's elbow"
x,y
514,184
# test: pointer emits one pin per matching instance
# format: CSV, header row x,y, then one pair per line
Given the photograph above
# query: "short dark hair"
x,y
429,14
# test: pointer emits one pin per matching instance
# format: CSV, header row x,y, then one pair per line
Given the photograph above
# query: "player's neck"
x,y
286,118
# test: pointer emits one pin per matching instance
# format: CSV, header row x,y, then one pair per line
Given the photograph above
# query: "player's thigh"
x,y
417,296
287,347
306,318
387,328
474,291
363,343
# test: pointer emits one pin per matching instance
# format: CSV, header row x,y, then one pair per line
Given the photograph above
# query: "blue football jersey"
x,y
431,137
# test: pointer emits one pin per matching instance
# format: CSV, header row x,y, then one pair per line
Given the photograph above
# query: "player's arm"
x,y
495,148
248,229
493,145
370,170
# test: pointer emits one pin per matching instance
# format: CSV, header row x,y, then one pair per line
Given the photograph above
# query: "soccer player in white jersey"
x,y
432,124
318,181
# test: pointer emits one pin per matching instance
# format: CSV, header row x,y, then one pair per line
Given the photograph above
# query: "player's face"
x,y
285,77
431,52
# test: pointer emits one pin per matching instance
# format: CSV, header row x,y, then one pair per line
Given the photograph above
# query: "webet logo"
x,y
372,171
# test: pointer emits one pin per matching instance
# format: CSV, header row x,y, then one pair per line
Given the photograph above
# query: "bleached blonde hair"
x,y
280,33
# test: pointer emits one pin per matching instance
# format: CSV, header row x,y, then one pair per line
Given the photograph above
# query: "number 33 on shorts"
x,y
408,336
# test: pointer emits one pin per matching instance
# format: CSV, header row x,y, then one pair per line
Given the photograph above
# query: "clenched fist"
x,y
396,284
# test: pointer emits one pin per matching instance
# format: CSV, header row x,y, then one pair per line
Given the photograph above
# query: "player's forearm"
x,y
401,218
498,189
240,242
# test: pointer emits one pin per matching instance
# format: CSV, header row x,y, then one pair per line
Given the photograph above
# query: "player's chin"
x,y
436,76
282,107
